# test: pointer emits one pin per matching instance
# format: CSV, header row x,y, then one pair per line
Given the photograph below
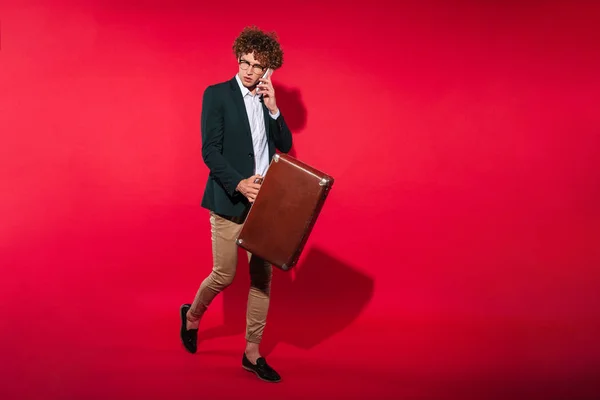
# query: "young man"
x,y
241,129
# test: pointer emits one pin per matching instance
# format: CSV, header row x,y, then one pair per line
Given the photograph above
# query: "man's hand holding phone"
x,y
265,88
249,187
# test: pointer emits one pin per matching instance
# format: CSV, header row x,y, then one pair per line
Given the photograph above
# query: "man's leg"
x,y
258,304
261,273
224,252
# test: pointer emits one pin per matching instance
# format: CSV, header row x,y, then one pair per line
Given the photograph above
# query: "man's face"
x,y
250,70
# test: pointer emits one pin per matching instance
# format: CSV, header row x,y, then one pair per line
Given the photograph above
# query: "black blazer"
x,y
227,146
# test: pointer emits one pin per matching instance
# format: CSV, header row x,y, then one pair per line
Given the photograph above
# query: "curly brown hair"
x,y
264,45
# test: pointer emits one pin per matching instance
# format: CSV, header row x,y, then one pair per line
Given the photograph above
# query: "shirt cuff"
x,y
275,116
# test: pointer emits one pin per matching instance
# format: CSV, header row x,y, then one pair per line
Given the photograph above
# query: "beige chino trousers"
x,y
225,256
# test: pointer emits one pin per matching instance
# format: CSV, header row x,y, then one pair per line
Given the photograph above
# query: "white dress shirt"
x,y
256,117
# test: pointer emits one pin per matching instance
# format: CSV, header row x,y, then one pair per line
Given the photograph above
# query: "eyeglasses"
x,y
257,69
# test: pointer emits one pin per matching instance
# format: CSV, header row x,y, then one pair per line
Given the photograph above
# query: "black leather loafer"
x,y
189,337
261,369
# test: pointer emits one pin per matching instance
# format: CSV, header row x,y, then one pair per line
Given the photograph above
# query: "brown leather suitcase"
x,y
285,210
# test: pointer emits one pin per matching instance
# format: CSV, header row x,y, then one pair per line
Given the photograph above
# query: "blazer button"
x,y
250,155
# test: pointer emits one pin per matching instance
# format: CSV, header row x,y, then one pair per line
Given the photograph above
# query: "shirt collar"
x,y
243,88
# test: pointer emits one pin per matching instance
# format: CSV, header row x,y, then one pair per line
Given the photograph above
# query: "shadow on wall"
x,y
309,304
289,101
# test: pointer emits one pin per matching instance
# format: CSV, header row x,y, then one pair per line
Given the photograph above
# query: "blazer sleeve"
x,y
282,136
212,143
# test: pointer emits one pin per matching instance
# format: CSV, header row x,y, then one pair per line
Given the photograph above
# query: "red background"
x,y
458,253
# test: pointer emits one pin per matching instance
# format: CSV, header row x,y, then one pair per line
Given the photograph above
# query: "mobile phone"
x,y
268,73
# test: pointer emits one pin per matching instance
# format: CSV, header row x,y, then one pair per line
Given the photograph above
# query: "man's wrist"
x,y
274,114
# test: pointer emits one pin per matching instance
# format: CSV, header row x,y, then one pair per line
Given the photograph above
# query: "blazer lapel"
x,y
267,118
236,96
